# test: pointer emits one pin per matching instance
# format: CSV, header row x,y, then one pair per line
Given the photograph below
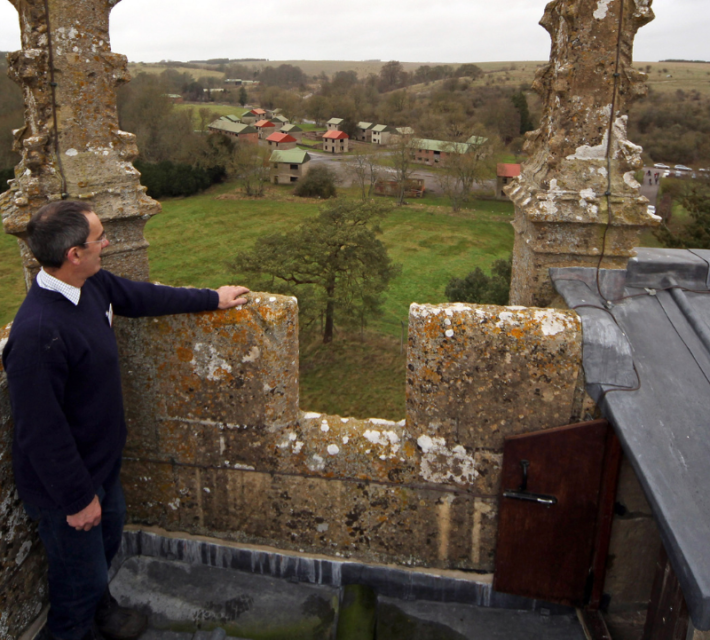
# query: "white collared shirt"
x,y
51,283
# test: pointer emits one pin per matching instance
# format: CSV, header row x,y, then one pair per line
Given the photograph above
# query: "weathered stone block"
x,y
631,564
479,373
23,570
236,368
630,493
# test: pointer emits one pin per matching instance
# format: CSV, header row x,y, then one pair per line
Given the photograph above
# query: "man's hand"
x,y
229,296
86,518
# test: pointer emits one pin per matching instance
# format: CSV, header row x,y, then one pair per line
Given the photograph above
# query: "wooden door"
x,y
555,512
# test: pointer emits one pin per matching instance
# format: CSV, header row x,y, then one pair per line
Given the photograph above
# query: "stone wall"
x,y
218,445
23,589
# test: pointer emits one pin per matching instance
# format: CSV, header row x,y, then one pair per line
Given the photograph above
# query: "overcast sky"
x,y
406,30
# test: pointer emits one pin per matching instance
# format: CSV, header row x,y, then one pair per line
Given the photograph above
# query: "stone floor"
x,y
197,602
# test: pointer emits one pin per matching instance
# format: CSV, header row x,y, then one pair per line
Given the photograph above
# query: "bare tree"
x,y
364,169
402,156
250,165
206,115
465,165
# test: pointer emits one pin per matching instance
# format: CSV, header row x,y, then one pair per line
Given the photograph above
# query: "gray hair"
x,y
56,228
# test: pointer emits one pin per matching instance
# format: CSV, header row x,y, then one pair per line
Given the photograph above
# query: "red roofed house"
x,y
335,141
506,173
252,116
265,128
280,140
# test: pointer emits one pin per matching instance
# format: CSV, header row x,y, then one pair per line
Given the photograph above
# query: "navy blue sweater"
x,y
65,386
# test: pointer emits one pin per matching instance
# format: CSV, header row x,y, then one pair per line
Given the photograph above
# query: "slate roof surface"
x,y
647,366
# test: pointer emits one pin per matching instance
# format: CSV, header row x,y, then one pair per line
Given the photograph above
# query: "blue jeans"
x,y
79,561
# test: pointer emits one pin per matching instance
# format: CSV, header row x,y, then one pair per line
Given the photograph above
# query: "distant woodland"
x,y
445,102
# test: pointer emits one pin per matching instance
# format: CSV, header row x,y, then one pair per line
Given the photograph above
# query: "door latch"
x,y
522,492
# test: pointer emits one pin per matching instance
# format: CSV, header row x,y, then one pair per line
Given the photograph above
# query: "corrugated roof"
x,y
441,146
264,123
231,127
335,121
365,125
290,156
508,170
232,117
279,119
381,128
336,135
280,137
291,128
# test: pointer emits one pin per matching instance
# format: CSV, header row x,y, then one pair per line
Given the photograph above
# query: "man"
x,y
62,368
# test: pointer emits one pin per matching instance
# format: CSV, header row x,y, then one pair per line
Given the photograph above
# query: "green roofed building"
x,y
364,131
288,166
334,124
293,130
432,152
381,133
234,129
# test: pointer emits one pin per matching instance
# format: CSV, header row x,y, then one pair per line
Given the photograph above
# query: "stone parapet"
x,y
71,145
23,571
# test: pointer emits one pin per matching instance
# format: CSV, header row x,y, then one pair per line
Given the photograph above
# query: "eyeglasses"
x,y
102,237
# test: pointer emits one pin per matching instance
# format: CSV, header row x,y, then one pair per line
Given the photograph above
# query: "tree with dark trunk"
x,y
334,263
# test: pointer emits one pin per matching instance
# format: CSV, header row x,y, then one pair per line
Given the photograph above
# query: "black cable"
x,y
610,133
53,88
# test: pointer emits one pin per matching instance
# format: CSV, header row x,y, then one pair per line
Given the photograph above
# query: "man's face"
x,y
90,252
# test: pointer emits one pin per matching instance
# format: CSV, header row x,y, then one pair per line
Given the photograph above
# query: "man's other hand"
x,y
229,296
86,518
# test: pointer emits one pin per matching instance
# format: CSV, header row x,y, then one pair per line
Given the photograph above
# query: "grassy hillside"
x,y
663,76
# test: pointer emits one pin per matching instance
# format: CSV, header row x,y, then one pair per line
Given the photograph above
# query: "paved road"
x,y
340,165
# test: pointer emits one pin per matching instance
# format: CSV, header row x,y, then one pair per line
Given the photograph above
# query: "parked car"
x,y
681,167
659,165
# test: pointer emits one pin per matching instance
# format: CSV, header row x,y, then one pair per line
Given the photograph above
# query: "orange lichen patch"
x,y
184,355
478,373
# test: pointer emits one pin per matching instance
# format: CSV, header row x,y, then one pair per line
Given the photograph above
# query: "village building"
x,y
335,142
238,130
256,114
280,140
279,121
334,124
293,130
504,176
432,152
364,131
265,128
288,166
381,134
